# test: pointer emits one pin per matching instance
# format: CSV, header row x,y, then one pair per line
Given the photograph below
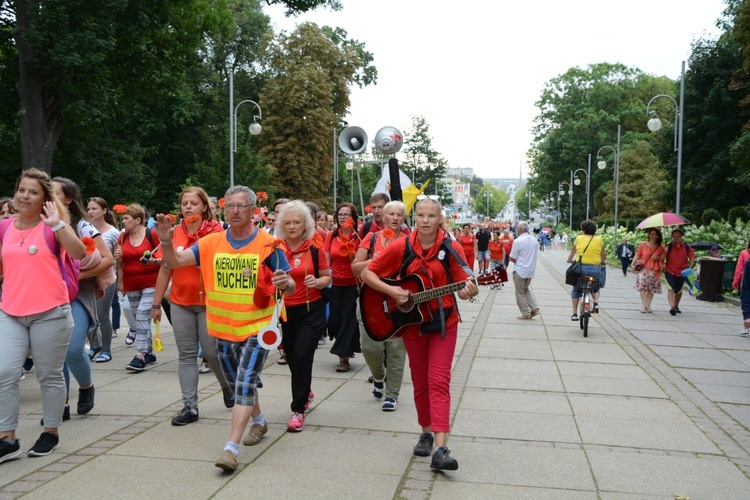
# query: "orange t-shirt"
x,y
187,286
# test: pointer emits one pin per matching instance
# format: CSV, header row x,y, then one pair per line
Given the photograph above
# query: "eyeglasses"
x,y
238,207
344,215
271,220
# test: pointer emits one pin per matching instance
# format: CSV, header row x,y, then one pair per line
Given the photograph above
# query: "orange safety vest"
x,y
230,278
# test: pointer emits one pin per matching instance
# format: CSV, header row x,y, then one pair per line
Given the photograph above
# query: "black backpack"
x,y
316,271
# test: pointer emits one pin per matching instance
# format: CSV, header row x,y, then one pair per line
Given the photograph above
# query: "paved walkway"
x,y
649,405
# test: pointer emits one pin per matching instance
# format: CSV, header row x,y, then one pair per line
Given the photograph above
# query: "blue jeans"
x,y
588,270
76,359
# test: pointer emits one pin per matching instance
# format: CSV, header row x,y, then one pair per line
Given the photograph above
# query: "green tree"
x,y
305,98
422,161
490,197
579,113
713,121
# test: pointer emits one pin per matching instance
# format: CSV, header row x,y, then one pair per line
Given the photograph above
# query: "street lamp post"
x,y
577,182
254,127
557,217
603,164
570,195
487,195
654,125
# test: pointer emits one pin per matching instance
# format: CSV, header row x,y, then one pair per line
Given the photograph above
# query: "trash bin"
x,y
711,274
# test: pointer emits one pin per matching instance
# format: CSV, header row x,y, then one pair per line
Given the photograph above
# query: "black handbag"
x,y
575,270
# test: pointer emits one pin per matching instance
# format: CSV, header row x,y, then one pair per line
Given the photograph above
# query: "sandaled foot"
x,y
343,365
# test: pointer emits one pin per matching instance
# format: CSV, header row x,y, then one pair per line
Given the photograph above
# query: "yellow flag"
x,y
410,195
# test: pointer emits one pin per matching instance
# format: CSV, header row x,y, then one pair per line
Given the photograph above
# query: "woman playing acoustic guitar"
x,y
430,354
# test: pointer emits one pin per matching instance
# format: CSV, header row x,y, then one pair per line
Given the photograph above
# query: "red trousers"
x,y
430,361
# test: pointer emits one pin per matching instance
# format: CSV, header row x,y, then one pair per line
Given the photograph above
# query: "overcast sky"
x,y
475,68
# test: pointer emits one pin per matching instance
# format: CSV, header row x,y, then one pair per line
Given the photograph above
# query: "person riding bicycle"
x,y
590,249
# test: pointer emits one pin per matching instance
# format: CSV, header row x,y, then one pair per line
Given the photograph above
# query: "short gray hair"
x,y
251,198
523,227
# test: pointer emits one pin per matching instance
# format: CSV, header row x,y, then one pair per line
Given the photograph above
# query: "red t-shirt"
x,y
496,250
677,258
431,270
302,265
467,243
136,276
341,265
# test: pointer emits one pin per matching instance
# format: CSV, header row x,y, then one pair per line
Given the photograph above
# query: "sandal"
x,y
103,357
343,366
282,360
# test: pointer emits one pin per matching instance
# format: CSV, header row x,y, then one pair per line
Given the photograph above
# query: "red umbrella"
x,y
663,219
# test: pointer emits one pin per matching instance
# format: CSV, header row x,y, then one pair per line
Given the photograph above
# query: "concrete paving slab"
x,y
710,359
451,491
678,339
612,386
511,464
596,352
661,474
515,348
726,393
515,425
741,413
153,477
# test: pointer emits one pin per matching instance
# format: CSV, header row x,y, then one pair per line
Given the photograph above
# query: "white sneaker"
x,y
204,368
744,331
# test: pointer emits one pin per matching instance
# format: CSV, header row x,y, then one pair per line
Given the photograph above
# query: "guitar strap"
x,y
409,256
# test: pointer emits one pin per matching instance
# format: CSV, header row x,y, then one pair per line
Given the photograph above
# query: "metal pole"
x,y
486,195
570,186
617,181
528,191
335,168
588,187
679,139
231,128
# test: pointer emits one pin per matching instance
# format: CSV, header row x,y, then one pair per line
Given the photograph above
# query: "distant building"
x,y
459,172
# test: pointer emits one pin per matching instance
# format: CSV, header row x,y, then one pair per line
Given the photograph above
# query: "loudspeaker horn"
x,y
353,140
389,140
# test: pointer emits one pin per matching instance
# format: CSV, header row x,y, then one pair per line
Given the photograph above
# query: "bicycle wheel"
x,y
585,321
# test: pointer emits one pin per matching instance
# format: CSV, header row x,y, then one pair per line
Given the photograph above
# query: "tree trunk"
x,y
40,122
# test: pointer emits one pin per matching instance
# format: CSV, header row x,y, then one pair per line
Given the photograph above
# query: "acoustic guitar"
x,y
385,320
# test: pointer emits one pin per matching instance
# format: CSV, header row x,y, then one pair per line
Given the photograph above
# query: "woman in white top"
x,y
103,220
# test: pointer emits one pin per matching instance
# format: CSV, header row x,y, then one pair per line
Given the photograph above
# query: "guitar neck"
x,y
434,293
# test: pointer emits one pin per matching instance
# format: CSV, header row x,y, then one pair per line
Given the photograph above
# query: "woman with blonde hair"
x,y
431,344
34,316
305,308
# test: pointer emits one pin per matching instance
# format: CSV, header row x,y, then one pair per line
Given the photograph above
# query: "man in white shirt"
x,y
523,255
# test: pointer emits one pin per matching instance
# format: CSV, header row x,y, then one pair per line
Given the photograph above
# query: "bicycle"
x,y
587,285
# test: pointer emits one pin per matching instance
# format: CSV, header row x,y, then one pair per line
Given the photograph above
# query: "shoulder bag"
x,y
575,270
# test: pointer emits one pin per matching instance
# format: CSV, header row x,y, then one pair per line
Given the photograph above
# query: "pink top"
x,y
744,255
33,282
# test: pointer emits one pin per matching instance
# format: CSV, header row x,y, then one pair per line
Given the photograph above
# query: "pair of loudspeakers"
x,y
353,140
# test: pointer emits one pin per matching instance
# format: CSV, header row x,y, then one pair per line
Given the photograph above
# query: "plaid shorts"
x,y
241,363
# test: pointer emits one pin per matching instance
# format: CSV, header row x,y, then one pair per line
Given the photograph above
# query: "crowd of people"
x,y
219,283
